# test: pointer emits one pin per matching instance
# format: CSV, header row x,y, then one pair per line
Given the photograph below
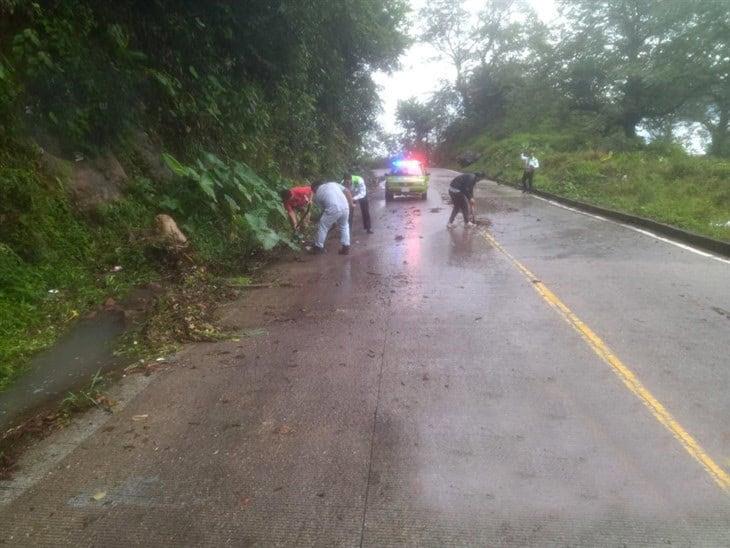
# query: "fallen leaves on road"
x,y
254,332
283,430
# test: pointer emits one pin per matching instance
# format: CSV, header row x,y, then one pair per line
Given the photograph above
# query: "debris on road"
x,y
269,285
254,332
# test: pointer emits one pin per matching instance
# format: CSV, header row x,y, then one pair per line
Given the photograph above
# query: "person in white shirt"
x,y
335,202
356,185
529,165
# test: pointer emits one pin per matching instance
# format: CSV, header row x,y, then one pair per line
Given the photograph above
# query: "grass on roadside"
x,y
85,398
660,181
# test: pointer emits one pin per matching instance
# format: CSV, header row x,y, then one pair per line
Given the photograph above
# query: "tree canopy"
x,y
266,79
615,66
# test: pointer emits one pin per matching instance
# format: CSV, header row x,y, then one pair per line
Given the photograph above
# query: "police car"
x,y
406,178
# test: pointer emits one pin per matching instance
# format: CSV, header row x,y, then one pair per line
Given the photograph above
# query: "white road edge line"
x,y
639,230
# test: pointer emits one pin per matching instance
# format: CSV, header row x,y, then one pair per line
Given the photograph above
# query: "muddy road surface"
x,y
546,379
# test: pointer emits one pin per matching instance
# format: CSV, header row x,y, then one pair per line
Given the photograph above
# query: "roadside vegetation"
x,y
659,181
609,96
113,113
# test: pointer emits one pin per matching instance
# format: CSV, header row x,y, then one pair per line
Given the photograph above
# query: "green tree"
x,y
247,79
511,50
449,29
421,123
704,42
615,53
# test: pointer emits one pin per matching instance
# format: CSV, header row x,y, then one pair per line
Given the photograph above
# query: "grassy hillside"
x,y
54,262
658,181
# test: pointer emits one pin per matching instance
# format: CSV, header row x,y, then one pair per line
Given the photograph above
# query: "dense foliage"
x,y
261,80
241,97
610,66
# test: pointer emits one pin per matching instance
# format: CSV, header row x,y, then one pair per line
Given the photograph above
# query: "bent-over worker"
x,y
335,202
461,192
297,203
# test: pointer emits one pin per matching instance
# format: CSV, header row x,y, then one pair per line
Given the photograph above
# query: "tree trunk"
x,y
720,139
631,111
461,88
629,125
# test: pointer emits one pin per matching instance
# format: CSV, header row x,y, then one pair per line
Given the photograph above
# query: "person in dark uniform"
x,y
461,191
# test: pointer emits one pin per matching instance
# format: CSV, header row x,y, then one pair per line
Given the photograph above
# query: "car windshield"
x,y
407,168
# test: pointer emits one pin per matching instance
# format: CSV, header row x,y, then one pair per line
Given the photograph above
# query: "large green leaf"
x,y
176,167
207,185
255,222
268,239
232,204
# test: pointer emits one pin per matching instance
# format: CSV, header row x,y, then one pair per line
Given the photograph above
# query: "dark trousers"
x,y
527,176
365,211
461,203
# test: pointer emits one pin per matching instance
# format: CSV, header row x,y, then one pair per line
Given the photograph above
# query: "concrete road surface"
x,y
553,379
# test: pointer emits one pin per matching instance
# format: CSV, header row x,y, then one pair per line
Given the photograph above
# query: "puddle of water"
x,y
70,364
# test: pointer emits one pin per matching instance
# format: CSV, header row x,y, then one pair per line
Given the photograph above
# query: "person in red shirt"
x,y
297,203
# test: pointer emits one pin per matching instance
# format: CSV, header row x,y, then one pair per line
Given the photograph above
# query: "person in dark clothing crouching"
x,y
461,191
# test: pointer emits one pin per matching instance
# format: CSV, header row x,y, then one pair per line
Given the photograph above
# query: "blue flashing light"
x,y
406,163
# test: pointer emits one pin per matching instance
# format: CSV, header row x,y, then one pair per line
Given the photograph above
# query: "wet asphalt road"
x,y
421,392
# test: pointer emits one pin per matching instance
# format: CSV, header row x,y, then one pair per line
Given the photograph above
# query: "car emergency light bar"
x,y
406,163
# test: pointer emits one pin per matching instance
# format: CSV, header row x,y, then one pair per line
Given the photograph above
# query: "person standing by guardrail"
x,y
529,165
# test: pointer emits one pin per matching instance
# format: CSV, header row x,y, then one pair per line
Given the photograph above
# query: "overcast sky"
x,y
421,74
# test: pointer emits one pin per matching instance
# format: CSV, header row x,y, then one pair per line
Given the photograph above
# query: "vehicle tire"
x,y
388,196
424,195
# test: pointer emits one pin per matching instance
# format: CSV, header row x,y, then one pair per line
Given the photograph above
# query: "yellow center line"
x,y
624,373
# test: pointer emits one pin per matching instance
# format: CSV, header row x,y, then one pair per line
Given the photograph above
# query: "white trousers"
x,y
329,218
